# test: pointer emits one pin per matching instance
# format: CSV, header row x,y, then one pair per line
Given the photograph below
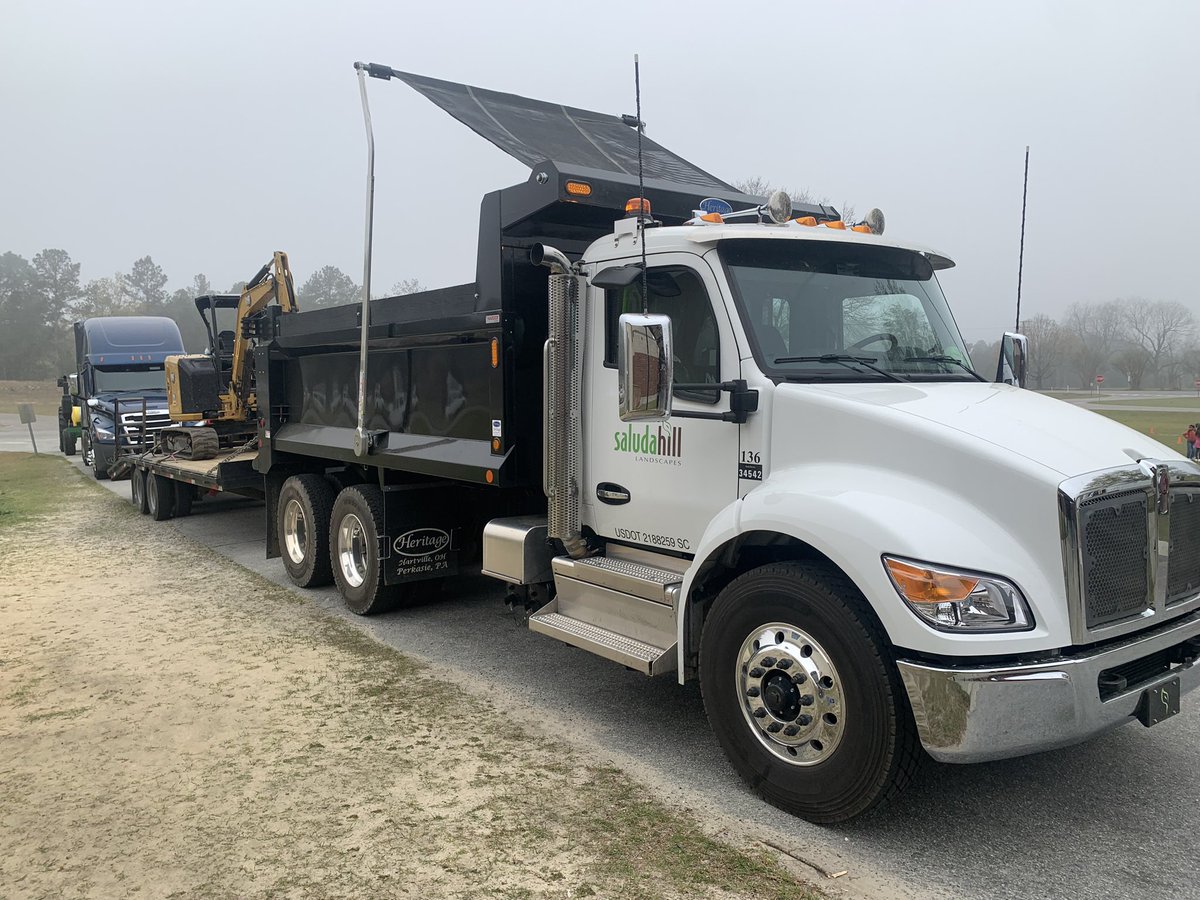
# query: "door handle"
x,y
612,494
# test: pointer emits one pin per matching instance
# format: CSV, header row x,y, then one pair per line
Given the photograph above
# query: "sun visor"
x,y
533,131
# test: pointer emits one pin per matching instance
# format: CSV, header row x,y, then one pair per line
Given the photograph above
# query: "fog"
x,y
209,134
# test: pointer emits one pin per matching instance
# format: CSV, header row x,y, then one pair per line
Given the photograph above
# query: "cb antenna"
x,y
1021,254
641,127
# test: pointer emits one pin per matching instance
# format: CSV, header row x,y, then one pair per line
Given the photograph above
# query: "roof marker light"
x,y
810,221
838,224
635,206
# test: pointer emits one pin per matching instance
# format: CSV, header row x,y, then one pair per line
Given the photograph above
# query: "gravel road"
x,y
1116,818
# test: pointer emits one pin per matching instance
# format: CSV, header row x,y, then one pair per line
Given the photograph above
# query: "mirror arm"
x,y
742,401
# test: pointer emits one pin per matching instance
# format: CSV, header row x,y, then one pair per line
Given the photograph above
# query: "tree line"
x,y
1134,343
42,297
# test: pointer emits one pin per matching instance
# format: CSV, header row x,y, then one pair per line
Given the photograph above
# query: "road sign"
x,y
25,411
1099,379
1198,382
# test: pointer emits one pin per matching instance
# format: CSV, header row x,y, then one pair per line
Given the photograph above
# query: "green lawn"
x,y
29,484
1165,426
1189,401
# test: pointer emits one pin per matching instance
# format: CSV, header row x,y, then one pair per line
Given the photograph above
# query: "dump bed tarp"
x,y
534,131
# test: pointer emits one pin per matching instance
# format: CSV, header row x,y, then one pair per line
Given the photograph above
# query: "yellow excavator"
x,y
217,388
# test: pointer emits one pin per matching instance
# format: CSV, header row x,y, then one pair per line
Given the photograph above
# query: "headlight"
x,y
954,600
102,432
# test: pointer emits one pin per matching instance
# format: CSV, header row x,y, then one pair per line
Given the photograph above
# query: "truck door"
x,y
657,485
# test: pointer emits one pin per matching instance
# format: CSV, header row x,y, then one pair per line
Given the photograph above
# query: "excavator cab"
x,y
217,387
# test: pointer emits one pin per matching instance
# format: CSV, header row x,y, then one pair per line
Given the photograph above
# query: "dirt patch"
x,y
175,726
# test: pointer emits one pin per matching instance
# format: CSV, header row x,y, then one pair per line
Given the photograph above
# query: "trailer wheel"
x,y
354,550
801,692
185,494
160,497
137,490
305,502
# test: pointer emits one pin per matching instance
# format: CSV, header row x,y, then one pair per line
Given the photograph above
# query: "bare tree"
x,y
1133,361
758,186
1096,329
1047,345
1159,328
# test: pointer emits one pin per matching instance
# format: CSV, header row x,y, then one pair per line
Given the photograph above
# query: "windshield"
x,y
828,311
142,379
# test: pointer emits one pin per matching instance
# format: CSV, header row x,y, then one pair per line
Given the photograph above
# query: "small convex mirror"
x,y
1014,354
73,384
645,370
779,207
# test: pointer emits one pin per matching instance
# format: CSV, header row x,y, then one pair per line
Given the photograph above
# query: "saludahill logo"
x,y
663,444
421,542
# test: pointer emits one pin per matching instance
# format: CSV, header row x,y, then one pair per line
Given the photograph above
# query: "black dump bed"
x,y
440,401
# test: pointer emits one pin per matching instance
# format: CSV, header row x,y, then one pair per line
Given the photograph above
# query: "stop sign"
x,y
1099,379
1198,382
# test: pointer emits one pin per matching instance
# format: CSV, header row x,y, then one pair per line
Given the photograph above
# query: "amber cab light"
x,y
579,188
635,206
840,225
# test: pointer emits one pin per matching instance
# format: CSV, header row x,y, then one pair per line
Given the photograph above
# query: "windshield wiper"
x,y
945,359
843,359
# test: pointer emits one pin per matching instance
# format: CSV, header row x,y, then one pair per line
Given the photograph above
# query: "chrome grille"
x,y
1116,556
1183,568
131,424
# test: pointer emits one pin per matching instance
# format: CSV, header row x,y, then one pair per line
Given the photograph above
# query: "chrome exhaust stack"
x,y
562,388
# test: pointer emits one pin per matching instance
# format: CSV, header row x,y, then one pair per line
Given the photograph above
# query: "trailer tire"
x,y
137,490
185,494
354,530
304,509
803,695
160,497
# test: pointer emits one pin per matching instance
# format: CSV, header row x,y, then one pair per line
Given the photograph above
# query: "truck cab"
x,y
120,383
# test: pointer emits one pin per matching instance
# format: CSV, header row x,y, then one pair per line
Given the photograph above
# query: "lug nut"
x,y
756,672
785,664
752,692
759,713
800,678
774,727
803,719
768,661
791,731
806,700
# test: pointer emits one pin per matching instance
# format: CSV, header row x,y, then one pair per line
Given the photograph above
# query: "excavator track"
x,y
191,443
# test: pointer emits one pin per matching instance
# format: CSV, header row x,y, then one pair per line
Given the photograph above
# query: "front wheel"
x,y
803,695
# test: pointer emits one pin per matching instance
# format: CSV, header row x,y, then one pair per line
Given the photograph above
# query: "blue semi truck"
x,y
118,387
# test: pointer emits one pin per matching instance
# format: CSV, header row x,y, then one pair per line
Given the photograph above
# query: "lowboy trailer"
x,y
739,441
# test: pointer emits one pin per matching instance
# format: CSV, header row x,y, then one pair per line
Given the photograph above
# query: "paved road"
x,y
1116,818
15,436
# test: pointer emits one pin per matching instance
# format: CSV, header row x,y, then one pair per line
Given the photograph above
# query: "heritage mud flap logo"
x,y
423,553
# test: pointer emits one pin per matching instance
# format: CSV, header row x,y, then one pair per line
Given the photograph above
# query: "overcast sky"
x,y
208,134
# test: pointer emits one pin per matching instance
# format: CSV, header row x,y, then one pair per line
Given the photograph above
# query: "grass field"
x,y
1189,401
29,484
43,395
1165,426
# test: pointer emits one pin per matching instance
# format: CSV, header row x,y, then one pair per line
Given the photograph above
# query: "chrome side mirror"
x,y
73,384
1014,358
645,367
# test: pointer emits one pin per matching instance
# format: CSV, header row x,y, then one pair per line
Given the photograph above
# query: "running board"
x,y
620,610
634,654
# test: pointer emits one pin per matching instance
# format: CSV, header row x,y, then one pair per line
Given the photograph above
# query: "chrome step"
x,y
647,582
638,655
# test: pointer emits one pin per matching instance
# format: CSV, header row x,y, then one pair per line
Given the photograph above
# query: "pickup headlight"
x,y
955,600
103,430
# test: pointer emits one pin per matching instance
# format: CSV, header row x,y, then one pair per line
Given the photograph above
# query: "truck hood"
x,y
131,401
1051,433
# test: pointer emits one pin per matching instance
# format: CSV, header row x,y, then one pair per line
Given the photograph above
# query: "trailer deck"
x,y
232,472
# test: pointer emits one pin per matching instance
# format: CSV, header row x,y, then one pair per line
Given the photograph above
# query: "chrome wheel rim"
x,y
135,489
790,694
295,531
352,550
151,489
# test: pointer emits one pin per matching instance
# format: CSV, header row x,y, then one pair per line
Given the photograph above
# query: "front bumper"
x,y
973,714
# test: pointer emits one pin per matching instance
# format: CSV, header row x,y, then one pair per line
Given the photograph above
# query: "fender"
x,y
853,513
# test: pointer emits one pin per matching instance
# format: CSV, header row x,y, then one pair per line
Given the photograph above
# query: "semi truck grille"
x,y
131,424
1183,566
1116,557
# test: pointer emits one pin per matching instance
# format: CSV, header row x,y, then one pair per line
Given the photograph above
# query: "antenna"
x,y
641,127
1021,256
